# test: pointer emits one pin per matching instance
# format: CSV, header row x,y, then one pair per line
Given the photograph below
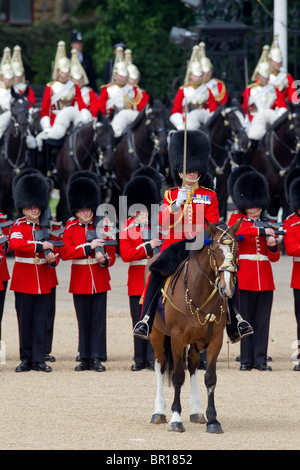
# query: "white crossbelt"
x,y
139,262
256,257
30,260
85,261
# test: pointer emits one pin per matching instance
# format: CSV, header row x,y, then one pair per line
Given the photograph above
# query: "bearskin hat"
x,y
294,194
235,174
197,153
83,191
290,177
153,174
141,190
30,188
251,190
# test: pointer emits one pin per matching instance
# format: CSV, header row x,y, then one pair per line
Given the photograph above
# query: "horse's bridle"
x,y
295,150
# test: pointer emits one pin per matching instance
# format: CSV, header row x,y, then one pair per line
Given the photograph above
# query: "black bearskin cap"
x,y
294,194
141,190
197,153
83,191
235,174
30,188
156,177
251,190
290,177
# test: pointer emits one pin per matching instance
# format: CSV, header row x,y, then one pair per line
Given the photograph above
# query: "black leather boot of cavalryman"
x,y
143,328
238,327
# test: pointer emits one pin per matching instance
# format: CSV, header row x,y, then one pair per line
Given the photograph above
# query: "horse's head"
x,y
19,111
223,250
157,121
104,136
294,120
234,123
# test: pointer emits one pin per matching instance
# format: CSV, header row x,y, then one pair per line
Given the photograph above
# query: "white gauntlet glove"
x,y
182,196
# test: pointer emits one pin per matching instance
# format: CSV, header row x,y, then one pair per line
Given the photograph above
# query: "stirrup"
x,y
145,328
246,330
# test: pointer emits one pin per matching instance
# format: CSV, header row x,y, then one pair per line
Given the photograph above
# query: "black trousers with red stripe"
x,y
143,351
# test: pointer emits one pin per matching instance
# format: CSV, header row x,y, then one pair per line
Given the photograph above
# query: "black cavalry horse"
x,y
228,140
86,147
144,143
13,149
278,153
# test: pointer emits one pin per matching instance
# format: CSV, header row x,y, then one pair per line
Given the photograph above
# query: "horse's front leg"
x,y
196,413
210,378
178,377
159,415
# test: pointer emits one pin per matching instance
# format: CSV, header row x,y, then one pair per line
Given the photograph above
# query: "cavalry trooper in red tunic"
x,y
280,79
195,95
182,217
121,99
263,103
58,109
216,86
137,246
134,77
258,248
6,84
292,245
91,260
31,279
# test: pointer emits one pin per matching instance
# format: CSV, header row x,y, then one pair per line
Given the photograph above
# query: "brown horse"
x,y
228,140
277,154
195,315
86,147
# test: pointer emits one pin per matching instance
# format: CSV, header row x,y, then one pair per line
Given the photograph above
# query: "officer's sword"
x,y
184,146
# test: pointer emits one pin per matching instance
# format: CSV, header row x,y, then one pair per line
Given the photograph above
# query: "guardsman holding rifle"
x,y
91,259
30,277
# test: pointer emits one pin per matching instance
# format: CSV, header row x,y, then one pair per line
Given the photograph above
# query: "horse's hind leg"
x,y
196,413
178,377
157,341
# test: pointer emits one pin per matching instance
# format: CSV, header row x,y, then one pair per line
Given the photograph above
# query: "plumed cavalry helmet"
x,y
83,191
194,66
262,66
61,61
6,68
120,66
30,188
275,52
77,71
17,62
133,71
205,61
140,190
197,154
251,190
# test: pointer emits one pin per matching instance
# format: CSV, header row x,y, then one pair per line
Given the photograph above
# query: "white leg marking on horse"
x,y
194,399
176,418
160,402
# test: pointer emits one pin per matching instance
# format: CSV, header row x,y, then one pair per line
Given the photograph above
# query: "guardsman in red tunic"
x,y
292,246
137,246
91,260
4,273
182,218
195,95
121,98
30,277
258,248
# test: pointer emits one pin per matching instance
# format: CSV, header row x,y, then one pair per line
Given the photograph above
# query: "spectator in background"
x,y
76,42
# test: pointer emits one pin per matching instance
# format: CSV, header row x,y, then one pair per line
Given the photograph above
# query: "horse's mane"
x,y
156,105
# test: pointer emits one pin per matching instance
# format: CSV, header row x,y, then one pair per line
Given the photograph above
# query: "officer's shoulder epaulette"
x,y
252,85
106,85
20,221
207,189
168,194
71,221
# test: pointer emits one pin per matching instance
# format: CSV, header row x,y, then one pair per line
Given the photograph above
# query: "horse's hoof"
x,y
197,418
158,419
176,427
214,428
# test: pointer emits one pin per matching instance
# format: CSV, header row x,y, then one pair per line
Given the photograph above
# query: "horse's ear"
x,y
26,92
13,92
151,100
211,227
235,227
99,116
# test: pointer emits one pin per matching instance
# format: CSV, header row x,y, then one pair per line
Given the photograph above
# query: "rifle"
x,y
265,222
7,223
43,235
99,232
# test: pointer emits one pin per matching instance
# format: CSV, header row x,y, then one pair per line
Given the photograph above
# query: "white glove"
x,y
177,120
45,123
182,196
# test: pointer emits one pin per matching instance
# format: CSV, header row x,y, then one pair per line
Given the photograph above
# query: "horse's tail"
x,y
169,364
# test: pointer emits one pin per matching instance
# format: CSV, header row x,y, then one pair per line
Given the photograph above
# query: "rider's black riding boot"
x,y
238,327
143,328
